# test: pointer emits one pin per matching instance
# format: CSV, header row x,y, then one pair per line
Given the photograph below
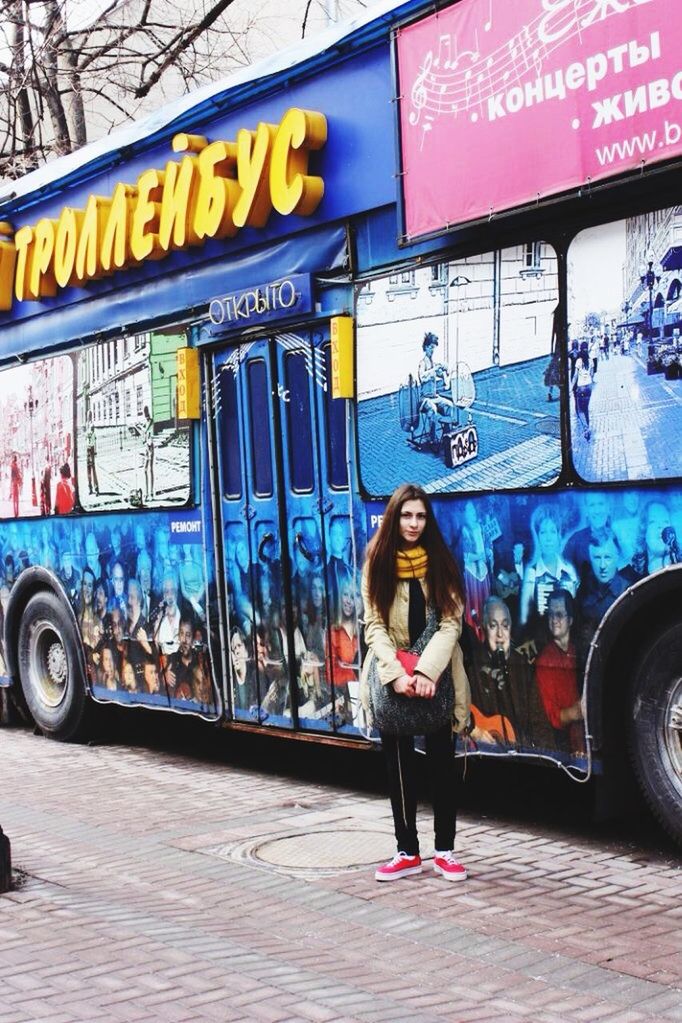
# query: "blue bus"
x,y
229,331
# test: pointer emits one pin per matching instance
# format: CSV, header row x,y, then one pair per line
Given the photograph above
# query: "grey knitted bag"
x,y
396,714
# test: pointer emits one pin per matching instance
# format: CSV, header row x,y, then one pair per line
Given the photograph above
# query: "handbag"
x,y
396,714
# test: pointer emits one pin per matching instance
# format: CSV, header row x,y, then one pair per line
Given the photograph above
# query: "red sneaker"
x,y
445,864
402,865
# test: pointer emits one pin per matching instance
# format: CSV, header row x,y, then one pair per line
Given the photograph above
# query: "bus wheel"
x,y
656,728
49,668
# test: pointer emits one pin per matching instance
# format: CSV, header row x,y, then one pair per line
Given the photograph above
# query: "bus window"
x,y
298,413
259,423
458,375
335,416
625,348
36,408
131,449
229,435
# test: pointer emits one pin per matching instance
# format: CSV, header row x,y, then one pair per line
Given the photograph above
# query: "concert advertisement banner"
x,y
503,104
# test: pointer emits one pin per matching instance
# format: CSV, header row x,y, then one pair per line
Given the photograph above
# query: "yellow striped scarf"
x,y
412,563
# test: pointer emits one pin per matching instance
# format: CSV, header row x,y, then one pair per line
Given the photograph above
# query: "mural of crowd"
x,y
540,571
139,600
325,629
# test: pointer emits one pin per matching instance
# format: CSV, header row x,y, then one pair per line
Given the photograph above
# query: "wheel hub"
x,y
56,663
49,668
673,727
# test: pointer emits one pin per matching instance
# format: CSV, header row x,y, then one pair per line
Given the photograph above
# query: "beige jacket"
x,y
383,640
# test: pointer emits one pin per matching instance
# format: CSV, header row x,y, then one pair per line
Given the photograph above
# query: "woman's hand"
x,y
404,685
423,686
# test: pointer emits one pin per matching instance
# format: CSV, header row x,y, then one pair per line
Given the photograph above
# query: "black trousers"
x,y
401,768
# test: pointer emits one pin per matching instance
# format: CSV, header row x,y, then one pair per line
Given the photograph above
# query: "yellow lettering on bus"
x,y
66,245
253,172
218,191
176,222
212,192
184,143
144,227
41,282
292,189
115,248
89,251
8,259
23,242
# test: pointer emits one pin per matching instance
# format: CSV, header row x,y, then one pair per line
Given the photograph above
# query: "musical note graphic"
x,y
447,84
444,45
419,96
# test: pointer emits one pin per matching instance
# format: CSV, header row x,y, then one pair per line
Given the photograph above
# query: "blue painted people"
x,y
244,686
477,560
342,666
626,525
556,671
117,597
597,508
599,589
128,677
654,549
108,674
180,665
167,623
548,570
89,623
504,695
191,579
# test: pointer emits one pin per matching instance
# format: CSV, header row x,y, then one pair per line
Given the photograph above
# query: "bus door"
x,y
250,504
319,534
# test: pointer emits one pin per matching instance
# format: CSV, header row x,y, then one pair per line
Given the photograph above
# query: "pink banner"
x,y
507,101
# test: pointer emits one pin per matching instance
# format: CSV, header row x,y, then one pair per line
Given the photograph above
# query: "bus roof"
x,y
186,112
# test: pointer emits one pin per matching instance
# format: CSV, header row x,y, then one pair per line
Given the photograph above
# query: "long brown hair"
x,y
443,577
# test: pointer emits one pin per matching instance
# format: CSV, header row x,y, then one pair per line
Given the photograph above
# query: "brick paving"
x,y
632,416
141,898
518,434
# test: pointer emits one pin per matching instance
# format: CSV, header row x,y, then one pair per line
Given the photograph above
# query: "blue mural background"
x,y
139,592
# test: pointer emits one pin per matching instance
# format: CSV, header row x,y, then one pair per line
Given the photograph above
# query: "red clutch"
x,y
408,660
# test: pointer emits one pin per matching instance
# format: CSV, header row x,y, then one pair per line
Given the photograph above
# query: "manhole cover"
x,y
327,850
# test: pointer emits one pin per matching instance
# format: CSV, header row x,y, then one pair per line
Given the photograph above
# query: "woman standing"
x,y
408,570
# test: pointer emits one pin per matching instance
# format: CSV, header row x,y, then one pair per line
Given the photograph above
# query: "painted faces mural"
x,y
458,374
540,572
138,591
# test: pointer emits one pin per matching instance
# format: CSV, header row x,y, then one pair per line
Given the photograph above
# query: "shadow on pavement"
x,y
514,793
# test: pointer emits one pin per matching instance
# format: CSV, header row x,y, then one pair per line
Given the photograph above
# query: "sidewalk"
x,y
633,419
156,887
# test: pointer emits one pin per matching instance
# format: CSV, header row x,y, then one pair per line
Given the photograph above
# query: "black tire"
x,y
50,668
655,728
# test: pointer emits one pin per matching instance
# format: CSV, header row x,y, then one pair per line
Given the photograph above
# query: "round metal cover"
x,y
325,850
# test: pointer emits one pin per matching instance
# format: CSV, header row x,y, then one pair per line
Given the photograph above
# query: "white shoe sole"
x,y
450,877
396,877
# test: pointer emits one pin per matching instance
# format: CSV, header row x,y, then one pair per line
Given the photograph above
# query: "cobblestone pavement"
x,y
633,417
518,435
142,898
